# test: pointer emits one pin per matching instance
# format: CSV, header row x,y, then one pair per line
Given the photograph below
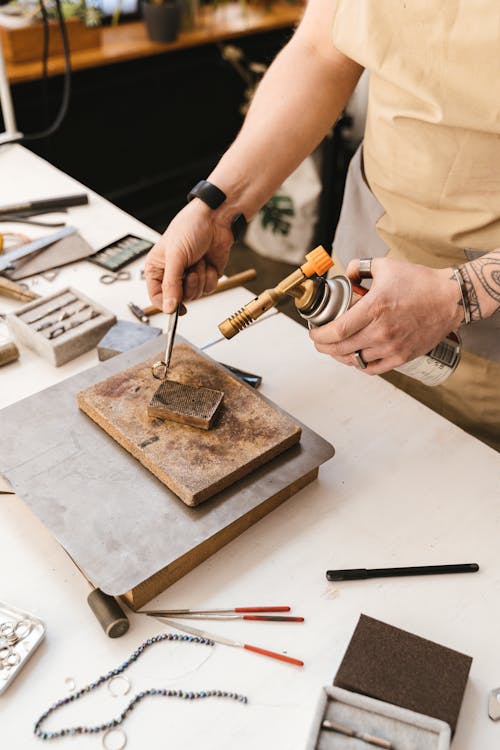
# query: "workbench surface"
x,y
405,487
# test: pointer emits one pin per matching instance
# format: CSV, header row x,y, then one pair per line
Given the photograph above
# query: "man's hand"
x,y
407,311
188,259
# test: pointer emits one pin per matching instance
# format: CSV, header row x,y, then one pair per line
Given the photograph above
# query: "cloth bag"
x,y
283,229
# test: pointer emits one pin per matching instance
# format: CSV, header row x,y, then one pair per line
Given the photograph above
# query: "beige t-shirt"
x,y
432,142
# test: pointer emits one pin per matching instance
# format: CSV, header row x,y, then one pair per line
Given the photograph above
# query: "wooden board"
x,y
129,41
248,432
141,594
26,43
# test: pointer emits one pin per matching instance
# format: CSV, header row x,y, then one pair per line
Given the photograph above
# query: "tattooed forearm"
x,y
471,299
481,279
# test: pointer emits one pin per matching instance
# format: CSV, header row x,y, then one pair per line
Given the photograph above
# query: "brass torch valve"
x,y
298,284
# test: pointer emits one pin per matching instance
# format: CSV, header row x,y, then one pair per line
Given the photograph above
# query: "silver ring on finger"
x,y
360,362
365,268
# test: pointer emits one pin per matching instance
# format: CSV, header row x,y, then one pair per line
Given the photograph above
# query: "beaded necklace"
x,y
72,731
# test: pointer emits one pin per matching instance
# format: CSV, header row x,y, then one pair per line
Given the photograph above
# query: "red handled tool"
x,y
228,641
210,616
235,610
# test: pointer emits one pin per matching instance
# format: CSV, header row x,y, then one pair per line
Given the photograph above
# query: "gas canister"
x,y
335,296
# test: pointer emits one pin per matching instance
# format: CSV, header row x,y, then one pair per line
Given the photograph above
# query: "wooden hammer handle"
x,y
9,288
229,283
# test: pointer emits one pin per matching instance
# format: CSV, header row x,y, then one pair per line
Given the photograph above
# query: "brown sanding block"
x,y
398,667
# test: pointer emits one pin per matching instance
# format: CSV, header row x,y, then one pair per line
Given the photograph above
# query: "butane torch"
x,y
320,301
317,300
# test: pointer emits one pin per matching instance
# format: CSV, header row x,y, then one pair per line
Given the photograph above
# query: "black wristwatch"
x,y
215,197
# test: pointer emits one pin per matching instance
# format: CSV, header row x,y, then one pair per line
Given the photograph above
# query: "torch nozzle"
x,y
317,262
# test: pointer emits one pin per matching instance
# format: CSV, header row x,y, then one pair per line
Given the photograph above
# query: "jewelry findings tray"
x,y
31,632
61,326
398,727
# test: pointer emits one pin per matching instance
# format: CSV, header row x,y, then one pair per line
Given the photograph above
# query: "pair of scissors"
x,y
111,277
9,240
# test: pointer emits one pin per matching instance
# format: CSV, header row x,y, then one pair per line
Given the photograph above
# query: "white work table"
x,y
405,487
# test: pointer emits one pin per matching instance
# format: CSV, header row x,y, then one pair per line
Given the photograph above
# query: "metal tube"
x,y
9,118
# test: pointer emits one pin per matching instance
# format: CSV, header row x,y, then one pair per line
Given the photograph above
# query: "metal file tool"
x,y
160,368
7,260
229,641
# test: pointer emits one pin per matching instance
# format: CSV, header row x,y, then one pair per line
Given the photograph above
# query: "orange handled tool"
x,y
317,263
272,654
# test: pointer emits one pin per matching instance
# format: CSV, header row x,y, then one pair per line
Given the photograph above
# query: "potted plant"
x,y
162,19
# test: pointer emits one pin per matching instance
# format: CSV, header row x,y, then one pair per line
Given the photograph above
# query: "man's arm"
x,y
300,97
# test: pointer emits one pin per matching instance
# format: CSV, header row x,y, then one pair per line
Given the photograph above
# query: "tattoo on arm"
x,y
481,278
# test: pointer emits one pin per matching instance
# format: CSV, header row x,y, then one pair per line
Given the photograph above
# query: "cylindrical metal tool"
x,y
110,615
105,607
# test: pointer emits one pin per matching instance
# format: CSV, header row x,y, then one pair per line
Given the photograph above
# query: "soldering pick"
x,y
171,328
228,641
160,369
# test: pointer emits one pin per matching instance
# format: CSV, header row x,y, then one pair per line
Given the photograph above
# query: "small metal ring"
x,y
70,684
23,628
117,680
55,332
110,732
7,629
5,652
365,268
360,361
159,370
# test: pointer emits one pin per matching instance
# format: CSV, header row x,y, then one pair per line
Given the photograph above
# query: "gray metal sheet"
x,y
117,520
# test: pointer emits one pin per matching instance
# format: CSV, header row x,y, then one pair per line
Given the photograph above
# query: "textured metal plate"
x,y
185,402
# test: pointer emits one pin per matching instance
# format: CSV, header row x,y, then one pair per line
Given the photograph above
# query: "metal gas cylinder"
x,y
331,298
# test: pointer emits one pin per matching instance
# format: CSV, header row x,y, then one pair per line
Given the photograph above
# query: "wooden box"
x,y
26,43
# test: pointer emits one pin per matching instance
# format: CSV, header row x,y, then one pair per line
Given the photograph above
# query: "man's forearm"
x,y
481,286
296,103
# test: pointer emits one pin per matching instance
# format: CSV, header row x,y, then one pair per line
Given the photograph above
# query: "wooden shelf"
x,y
130,41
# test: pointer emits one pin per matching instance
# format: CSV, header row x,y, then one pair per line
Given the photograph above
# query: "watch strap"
x,y
238,226
208,193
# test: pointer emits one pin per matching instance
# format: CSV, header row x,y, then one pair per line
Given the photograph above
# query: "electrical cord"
x,y
45,55
63,109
